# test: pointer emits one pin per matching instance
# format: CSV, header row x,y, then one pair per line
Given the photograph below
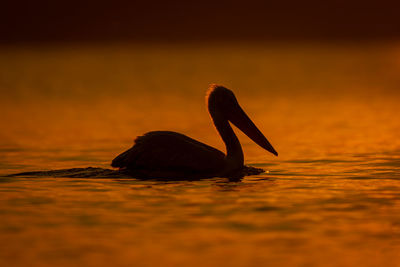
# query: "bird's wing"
x,y
162,150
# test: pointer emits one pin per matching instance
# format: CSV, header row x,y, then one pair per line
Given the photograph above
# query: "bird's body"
x,y
165,154
182,156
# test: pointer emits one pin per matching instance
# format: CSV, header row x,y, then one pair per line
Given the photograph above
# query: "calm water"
x,y
331,198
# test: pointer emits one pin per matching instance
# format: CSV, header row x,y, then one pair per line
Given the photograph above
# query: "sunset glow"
x,y
78,84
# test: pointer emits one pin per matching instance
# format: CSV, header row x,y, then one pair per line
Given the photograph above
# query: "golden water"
x,y
331,198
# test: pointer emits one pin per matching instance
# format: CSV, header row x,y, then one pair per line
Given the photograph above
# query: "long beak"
x,y
240,119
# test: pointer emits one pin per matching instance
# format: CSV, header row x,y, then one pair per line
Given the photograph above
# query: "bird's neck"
x,y
234,152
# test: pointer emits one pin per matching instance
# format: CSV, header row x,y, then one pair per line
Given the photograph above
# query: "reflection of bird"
x,y
164,154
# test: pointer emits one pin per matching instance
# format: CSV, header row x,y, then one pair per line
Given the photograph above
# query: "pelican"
x,y
171,155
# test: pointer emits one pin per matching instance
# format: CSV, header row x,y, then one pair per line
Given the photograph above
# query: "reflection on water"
x,y
331,198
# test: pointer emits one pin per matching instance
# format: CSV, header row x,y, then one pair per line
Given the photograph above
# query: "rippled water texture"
x,y
331,198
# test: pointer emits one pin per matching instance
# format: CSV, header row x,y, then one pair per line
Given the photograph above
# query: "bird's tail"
x,y
119,161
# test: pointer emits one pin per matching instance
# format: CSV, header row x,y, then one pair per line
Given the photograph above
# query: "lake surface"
x,y
331,198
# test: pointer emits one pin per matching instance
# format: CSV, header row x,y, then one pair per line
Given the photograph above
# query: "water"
x,y
331,198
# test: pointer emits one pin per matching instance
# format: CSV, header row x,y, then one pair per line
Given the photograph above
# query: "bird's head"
x,y
223,105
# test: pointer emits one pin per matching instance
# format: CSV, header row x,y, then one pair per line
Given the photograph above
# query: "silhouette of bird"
x,y
171,155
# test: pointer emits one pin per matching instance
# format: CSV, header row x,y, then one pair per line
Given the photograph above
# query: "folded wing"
x,y
170,151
